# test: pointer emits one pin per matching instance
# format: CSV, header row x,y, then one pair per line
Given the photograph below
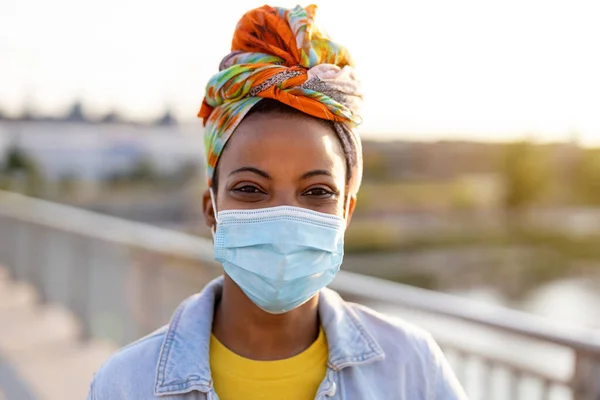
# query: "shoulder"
x,y
131,369
413,350
396,336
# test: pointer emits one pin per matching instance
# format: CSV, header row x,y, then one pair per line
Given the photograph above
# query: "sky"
x,y
466,69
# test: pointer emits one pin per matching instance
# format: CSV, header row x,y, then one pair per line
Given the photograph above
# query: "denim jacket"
x,y
371,356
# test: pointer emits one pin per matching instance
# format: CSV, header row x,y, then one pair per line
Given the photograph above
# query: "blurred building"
x,y
92,151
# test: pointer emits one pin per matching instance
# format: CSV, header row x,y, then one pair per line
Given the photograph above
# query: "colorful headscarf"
x,y
279,53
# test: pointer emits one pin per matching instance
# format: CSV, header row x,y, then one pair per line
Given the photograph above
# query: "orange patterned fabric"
x,y
281,54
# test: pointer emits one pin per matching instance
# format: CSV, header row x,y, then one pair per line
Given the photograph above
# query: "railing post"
x,y
21,240
37,260
147,302
586,378
79,287
6,250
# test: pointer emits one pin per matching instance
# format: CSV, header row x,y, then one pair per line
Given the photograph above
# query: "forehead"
x,y
283,143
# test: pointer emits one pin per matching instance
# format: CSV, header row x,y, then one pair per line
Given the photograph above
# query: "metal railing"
x,y
124,279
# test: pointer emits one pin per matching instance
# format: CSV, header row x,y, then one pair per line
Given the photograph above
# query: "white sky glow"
x,y
472,69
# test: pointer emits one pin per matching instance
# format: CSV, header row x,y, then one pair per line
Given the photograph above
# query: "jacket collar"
x,y
184,363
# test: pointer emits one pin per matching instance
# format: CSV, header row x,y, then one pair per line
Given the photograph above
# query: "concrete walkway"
x,y
41,357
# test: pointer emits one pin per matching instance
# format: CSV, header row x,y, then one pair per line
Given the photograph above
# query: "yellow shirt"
x,y
295,378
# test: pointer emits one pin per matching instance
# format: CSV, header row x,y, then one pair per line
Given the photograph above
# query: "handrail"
x,y
107,228
78,221
504,319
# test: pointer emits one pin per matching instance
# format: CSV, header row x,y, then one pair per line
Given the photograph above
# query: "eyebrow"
x,y
254,170
316,172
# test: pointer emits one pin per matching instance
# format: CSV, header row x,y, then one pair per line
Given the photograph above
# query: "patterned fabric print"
x,y
219,127
317,85
289,34
277,79
273,50
240,57
315,47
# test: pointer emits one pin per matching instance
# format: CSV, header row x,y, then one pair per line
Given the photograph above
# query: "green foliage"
x,y
370,236
18,160
187,172
143,171
398,196
68,184
4,182
527,177
578,248
461,197
375,167
367,237
587,178
21,173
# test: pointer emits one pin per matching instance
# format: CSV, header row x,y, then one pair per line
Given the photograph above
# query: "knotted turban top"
x,y
281,54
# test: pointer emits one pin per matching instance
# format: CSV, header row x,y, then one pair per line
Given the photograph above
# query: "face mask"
x,y
279,256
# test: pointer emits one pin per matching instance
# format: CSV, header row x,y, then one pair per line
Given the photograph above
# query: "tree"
x,y
375,166
587,178
76,113
111,118
22,169
68,183
526,175
143,171
166,120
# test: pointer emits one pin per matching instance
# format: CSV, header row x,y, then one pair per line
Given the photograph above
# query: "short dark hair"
x,y
271,106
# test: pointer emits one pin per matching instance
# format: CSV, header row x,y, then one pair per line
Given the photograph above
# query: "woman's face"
x,y
279,159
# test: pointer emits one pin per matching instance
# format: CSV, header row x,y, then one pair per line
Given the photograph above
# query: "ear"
x,y
351,207
208,210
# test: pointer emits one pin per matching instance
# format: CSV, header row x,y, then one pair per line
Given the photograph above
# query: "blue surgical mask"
x,y
279,256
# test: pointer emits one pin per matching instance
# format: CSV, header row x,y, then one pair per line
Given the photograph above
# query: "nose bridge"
x,y
285,196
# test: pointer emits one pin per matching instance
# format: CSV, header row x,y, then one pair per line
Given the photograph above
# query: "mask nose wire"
x,y
212,200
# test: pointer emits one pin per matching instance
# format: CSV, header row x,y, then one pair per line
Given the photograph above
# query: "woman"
x,y
284,168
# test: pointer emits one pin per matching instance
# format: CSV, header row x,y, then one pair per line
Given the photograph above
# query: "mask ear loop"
x,y
212,200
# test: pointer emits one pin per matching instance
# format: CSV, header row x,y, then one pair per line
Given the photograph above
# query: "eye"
x,y
248,189
319,192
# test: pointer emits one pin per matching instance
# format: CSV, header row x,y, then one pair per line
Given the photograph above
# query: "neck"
x,y
253,333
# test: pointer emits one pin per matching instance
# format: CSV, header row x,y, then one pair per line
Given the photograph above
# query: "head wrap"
x,y
280,54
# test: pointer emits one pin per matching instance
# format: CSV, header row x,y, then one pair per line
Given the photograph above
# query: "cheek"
x,y
337,206
334,207
226,202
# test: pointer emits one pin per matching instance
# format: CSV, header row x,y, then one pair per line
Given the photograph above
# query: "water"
x,y
568,301
575,302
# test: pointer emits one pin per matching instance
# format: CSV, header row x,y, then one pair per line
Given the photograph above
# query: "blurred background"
x,y
481,138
